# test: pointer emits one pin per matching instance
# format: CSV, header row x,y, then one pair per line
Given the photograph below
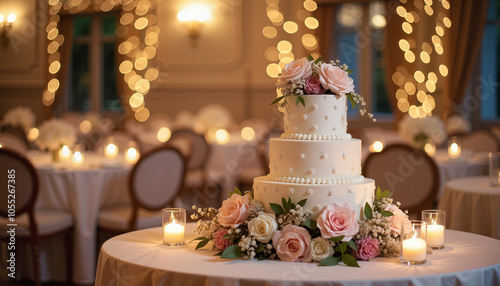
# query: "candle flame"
x,y
454,147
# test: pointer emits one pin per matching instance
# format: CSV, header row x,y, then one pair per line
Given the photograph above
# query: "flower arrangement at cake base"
x,y
241,228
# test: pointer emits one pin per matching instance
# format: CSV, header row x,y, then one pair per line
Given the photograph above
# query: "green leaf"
x,y
386,213
309,57
318,60
349,260
378,193
202,243
218,253
285,205
343,247
277,100
368,211
277,208
337,239
351,99
349,71
198,238
311,224
260,248
302,202
261,257
232,252
329,261
301,100
237,191
353,245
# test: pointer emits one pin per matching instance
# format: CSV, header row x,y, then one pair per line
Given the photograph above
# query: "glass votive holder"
x,y
494,158
413,244
132,153
110,149
173,226
454,148
436,224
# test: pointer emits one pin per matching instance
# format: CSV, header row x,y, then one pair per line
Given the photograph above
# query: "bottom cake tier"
x,y
318,196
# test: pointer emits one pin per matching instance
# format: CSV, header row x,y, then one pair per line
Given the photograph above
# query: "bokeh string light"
x,y
419,79
303,22
139,33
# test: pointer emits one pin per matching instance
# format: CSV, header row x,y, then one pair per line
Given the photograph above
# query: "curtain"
x,y
326,17
466,32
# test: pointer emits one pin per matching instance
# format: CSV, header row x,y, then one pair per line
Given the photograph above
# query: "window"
x,y
359,38
490,65
92,76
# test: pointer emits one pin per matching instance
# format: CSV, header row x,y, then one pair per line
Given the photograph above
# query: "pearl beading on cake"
x,y
335,181
298,136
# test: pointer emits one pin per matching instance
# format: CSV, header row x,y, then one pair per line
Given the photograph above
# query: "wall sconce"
x,y
6,25
193,18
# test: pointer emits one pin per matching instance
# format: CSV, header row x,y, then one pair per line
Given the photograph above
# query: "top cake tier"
x,y
324,117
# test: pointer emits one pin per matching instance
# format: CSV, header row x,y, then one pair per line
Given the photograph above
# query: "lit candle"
x,y
77,159
64,153
435,234
111,151
414,249
173,233
131,156
247,133
222,136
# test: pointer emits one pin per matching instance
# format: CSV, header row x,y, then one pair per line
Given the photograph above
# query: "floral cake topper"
x,y
308,76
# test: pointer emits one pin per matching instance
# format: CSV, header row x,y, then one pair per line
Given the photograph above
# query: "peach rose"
x,y
336,220
294,70
398,217
234,211
293,243
336,80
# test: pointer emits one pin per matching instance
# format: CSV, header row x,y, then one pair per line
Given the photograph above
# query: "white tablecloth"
x,y
139,258
472,205
81,192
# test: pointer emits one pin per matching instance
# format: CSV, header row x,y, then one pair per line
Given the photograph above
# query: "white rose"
x,y
321,248
263,227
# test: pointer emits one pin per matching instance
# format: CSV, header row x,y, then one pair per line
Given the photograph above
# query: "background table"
x,y
82,192
472,205
138,258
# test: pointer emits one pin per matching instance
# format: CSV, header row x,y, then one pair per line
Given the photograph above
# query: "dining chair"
x,y
11,141
154,182
410,174
17,131
19,192
481,141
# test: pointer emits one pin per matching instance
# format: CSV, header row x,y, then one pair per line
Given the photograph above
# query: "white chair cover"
x,y
481,141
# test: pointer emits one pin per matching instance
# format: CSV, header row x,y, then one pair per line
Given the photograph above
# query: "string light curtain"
x,y
416,59
139,35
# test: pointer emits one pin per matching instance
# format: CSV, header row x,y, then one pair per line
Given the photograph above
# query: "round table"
x,y
472,205
139,258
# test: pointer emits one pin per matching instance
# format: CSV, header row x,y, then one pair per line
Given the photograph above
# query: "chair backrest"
x,y
19,181
481,140
409,173
11,141
200,149
156,179
17,131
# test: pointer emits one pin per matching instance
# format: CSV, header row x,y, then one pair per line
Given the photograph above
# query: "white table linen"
x,y
472,205
139,258
82,192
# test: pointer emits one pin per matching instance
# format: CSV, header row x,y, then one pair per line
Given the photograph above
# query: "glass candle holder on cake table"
x,y
413,242
173,226
494,169
436,221
454,148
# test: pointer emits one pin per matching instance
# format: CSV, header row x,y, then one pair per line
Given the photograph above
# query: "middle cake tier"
x,y
315,161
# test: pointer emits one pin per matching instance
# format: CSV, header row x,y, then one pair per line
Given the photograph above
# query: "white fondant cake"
x,y
315,159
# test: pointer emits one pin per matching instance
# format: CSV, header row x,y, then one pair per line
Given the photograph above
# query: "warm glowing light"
x,y
142,114
443,70
401,11
85,126
424,56
54,67
419,76
269,32
222,136
273,70
195,12
284,47
136,100
407,28
421,96
447,22
439,31
163,134
131,155
2,18
111,151
309,41
290,27
377,147
310,5
410,88
64,153
409,56
379,21
247,133
428,9
11,18
311,23
33,134
141,23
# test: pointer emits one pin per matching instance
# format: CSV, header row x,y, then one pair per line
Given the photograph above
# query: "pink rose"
x,y
293,243
313,85
234,211
336,80
220,243
300,68
367,248
398,217
336,220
